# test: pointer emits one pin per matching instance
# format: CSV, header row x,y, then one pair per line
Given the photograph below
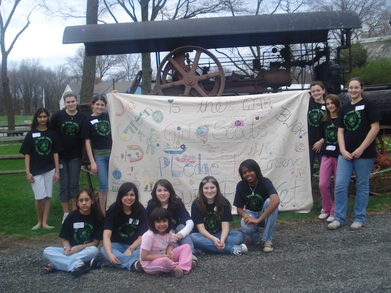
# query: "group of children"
x,y
343,140
164,238
53,151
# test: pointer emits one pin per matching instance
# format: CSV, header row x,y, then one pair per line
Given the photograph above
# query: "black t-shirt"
x,y
329,131
125,228
97,129
181,215
213,223
314,116
356,121
244,197
41,145
69,129
80,229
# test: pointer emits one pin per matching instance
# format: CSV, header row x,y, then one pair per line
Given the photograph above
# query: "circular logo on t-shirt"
x,y
212,224
254,202
126,230
70,128
43,145
352,120
331,135
314,117
102,127
83,235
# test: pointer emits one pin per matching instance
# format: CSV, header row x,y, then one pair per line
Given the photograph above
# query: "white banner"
x,y
184,139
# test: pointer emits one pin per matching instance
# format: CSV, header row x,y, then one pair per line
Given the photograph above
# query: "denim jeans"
x,y
362,168
185,240
69,179
62,262
207,246
118,250
268,223
103,173
312,160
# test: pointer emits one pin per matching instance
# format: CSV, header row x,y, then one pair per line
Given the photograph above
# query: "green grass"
x,y
17,209
19,119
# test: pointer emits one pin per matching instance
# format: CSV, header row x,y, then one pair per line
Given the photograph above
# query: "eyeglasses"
x,y
211,180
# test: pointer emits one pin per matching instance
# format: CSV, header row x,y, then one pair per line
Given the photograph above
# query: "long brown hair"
x,y
335,100
218,200
321,84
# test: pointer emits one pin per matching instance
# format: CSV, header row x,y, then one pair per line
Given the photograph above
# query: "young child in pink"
x,y
157,253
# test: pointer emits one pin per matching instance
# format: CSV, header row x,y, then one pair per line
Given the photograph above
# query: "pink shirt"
x,y
155,243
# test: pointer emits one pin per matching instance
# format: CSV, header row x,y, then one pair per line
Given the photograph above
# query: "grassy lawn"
x,y
19,119
17,209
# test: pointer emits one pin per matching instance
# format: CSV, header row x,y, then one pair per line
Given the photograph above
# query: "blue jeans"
x,y
268,223
185,240
118,250
362,168
62,262
103,173
69,179
207,246
312,160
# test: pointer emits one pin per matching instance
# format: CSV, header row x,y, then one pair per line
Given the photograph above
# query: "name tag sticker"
x,y
361,107
323,108
78,225
37,134
94,121
331,148
131,221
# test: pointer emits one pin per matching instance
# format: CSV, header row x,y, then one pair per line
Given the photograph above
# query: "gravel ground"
x,y
307,258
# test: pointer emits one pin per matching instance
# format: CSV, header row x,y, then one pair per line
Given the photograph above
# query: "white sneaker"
x,y
356,226
330,219
268,246
64,217
240,249
323,216
334,225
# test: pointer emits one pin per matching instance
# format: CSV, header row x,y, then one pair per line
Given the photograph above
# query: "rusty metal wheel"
x,y
190,71
380,180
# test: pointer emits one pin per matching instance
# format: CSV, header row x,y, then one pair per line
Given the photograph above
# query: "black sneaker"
x,y
80,270
94,264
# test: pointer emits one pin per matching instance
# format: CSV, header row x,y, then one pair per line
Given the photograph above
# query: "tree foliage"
x,y
376,71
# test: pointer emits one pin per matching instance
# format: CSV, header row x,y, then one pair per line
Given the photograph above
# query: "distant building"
x,y
378,46
100,88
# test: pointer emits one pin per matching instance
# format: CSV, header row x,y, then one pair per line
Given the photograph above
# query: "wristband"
x,y
67,246
131,249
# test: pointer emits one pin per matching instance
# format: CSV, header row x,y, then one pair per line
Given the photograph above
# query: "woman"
x,y
357,129
125,223
211,213
257,203
67,124
40,149
97,134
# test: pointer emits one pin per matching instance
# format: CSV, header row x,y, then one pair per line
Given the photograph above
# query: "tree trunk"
x,y
89,67
9,106
145,57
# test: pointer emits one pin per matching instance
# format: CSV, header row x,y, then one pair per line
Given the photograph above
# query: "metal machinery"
x,y
288,41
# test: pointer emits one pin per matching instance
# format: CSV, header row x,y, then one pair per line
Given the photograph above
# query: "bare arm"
x,y
57,167
133,246
274,202
30,177
107,245
94,167
341,143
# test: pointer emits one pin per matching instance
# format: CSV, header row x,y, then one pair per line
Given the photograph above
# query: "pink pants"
x,y
328,166
182,260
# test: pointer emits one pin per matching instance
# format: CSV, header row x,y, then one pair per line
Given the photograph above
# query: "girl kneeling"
x,y
157,252
80,233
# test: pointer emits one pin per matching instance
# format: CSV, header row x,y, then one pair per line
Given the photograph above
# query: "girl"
x,y
260,198
40,149
80,235
163,195
330,150
315,114
125,223
357,129
157,253
67,124
211,213
97,134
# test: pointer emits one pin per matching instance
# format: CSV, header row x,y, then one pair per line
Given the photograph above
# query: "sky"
x,y
42,39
